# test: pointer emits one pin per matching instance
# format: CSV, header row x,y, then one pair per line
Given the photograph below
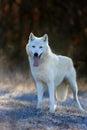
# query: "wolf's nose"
x,y
35,54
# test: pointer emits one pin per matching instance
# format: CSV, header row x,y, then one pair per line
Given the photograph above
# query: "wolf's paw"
x,y
81,109
39,106
53,108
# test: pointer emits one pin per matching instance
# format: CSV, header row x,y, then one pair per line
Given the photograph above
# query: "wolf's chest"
x,y
41,74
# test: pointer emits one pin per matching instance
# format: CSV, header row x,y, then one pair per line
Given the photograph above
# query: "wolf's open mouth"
x,y
36,60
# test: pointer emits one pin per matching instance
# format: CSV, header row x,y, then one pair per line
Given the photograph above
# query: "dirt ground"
x,y
18,99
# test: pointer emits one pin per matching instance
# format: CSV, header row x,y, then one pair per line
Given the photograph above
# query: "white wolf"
x,y
50,70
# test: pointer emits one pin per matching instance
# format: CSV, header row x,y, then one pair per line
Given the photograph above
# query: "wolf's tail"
x,y
61,92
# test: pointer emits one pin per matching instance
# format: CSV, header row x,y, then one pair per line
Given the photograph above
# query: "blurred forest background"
x,y
64,21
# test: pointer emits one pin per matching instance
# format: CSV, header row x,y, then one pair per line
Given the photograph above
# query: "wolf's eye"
x,y
33,46
40,47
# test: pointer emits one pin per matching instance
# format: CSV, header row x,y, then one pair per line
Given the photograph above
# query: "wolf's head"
x,y
37,48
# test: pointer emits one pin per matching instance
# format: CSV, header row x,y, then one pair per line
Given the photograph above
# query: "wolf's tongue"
x,y
36,61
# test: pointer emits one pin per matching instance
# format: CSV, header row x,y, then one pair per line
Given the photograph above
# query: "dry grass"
x,y
18,106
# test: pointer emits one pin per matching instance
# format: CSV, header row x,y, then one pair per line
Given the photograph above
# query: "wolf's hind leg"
x,y
75,94
61,91
73,84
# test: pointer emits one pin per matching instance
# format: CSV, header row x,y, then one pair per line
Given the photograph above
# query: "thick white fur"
x,y
51,72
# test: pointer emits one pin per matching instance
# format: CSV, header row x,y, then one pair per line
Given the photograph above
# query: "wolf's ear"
x,y
31,36
45,38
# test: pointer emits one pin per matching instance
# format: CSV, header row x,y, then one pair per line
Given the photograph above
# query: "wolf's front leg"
x,y
52,97
40,92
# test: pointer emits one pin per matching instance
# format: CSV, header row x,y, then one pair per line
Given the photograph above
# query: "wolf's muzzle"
x,y
36,54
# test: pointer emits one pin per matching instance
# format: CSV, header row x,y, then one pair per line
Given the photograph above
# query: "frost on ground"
x,y
18,99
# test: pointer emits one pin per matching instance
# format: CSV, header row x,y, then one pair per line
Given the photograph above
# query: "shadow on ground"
x,y
18,111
